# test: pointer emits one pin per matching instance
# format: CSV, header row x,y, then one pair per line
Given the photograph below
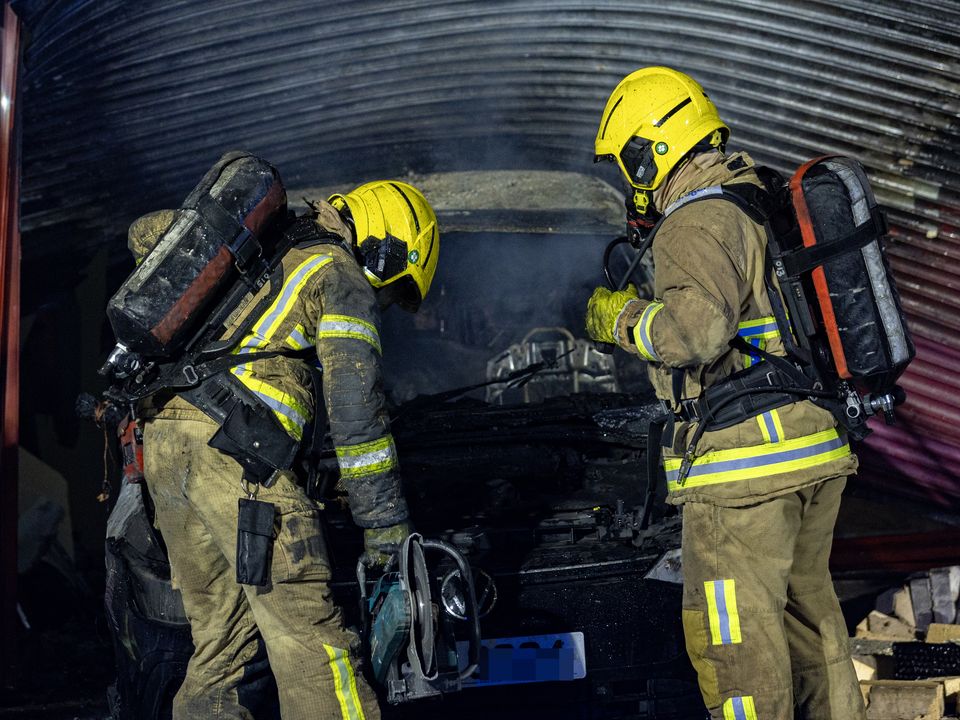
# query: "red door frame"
x,y
9,331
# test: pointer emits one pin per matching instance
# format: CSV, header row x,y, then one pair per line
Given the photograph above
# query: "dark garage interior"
x,y
113,109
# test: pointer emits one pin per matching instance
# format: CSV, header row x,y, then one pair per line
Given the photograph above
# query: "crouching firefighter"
x,y
224,429
759,490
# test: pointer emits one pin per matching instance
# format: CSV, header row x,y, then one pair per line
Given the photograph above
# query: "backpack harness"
x,y
804,373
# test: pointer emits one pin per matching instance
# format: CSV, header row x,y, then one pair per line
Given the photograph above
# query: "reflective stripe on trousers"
x,y
345,684
722,611
739,708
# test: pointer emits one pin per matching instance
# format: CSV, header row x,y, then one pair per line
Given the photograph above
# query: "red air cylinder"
x,y
226,223
856,300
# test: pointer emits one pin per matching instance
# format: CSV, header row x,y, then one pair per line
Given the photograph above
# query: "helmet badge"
x,y
413,257
661,148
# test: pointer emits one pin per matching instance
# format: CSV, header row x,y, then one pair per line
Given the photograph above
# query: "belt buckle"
x,y
190,374
691,410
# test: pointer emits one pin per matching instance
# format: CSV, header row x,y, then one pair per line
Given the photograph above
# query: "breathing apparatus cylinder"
x,y
223,230
837,258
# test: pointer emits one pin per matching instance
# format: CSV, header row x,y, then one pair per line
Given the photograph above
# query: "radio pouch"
x,y
254,541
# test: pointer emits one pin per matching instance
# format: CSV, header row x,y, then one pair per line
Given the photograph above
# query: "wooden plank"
x,y
941,633
877,626
904,699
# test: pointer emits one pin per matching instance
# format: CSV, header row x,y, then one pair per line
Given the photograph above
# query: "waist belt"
x,y
743,395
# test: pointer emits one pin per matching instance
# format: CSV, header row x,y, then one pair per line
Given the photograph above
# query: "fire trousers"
x,y
761,619
314,658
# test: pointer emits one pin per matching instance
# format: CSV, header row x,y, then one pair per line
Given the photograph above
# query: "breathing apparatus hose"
x,y
472,612
608,348
634,264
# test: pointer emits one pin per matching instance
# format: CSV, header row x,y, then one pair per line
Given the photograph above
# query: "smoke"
x,y
490,292
520,250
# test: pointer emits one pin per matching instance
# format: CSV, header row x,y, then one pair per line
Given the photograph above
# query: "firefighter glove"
x,y
380,543
604,309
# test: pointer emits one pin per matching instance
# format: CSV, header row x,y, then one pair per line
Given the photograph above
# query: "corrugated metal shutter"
x,y
126,102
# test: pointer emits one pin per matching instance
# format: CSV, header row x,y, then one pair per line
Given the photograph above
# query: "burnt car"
x,y
523,451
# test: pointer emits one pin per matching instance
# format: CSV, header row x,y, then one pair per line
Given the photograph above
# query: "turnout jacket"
x,y
709,260
322,300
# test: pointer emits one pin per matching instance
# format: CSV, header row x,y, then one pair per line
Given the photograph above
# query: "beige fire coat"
x,y
709,287
320,300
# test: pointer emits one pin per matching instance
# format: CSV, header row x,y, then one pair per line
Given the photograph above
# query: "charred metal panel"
x,y
127,103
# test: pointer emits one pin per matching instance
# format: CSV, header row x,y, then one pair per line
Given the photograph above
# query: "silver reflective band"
x,y
281,408
691,196
375,457
342,326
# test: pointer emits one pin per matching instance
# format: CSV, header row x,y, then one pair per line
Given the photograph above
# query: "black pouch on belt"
x,y
254,541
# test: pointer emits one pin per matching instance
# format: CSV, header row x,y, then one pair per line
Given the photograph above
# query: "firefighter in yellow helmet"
x,y
759,494
355,254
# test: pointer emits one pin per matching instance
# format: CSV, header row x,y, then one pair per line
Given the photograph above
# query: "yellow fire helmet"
x,y
654,117
397,238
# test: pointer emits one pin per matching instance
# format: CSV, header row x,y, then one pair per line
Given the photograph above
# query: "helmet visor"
x,y
403,293
638,161
384,258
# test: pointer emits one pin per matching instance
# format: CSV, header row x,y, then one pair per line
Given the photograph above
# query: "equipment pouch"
x,y
255,430
255,521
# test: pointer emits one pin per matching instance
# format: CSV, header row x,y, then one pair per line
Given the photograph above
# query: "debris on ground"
x,y
907,650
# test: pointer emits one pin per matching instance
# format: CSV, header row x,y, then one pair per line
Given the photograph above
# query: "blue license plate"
x,y
527,659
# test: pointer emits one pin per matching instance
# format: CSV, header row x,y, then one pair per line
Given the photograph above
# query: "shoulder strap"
x,y
185,375
206,357
306,232
756,202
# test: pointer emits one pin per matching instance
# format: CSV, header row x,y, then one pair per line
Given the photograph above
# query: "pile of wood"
x,y
907,651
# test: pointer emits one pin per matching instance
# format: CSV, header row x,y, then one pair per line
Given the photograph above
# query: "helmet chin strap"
x,y
641,213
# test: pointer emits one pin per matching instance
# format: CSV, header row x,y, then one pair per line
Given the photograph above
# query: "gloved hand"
x,y
603,310
380,543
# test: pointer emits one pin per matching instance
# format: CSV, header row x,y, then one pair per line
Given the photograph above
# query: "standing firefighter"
x,y
760,495
322,298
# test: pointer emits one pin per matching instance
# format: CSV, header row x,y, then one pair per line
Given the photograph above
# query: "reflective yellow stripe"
x,y
278,311
761,327
345,684
751,360
367,458
739,708
722,611
291,414
345,326
759,460
267,324
297,339
641,332
778,426
757,332
770,426
764,427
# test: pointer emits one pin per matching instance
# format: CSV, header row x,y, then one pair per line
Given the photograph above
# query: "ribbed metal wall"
x,y
126,103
